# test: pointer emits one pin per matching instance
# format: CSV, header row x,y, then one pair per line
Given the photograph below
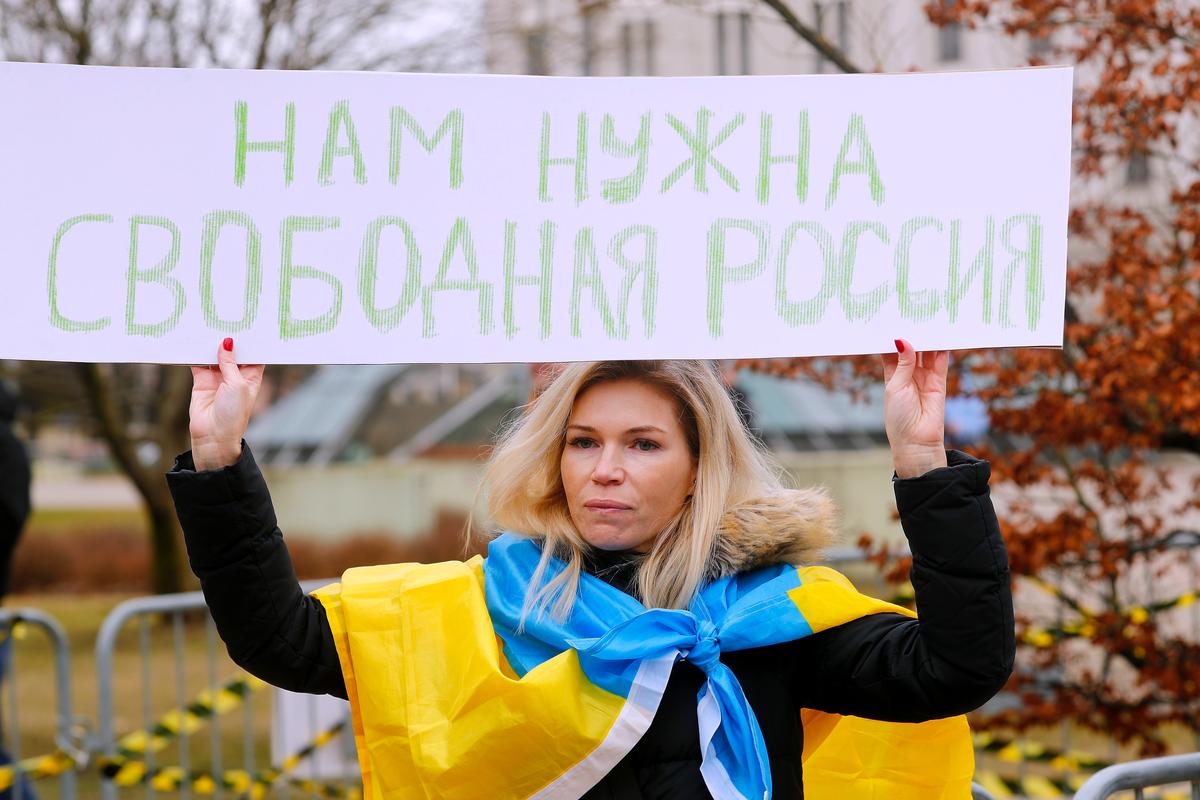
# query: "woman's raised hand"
x,y
222,399
915,408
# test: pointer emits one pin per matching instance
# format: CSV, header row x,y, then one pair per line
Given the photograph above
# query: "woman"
x,y
541,672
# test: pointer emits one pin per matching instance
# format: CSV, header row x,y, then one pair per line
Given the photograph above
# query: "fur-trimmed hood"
x,y
794,526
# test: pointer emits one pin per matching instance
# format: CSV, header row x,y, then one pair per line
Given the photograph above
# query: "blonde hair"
x,y
525,494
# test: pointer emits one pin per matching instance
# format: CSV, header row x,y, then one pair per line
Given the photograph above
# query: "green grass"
x,y
73,519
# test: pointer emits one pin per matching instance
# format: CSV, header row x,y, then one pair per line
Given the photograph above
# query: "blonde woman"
x,y
650,625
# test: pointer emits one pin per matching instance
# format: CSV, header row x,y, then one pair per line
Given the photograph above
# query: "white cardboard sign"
x,y
326,217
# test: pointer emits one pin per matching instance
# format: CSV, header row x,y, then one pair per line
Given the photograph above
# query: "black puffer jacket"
x,y
883,666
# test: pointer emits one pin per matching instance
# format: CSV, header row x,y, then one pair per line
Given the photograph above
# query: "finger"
x,y
906,363
199,373
932,366
941,363
227,361
252,373
889,365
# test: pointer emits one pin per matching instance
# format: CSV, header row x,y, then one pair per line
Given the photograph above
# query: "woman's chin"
x,y
603,538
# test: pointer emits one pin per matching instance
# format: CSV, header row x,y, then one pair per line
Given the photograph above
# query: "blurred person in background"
x,y
15,480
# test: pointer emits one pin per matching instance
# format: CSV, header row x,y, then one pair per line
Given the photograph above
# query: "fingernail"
x,y
228,344
899,345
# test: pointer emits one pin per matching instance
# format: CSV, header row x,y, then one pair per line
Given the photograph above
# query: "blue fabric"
x,y
614,633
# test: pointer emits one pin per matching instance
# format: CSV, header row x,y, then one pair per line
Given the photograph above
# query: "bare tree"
x,y
141,410
812,36
790,18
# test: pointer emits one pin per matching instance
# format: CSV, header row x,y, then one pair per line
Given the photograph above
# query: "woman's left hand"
x,y
915,409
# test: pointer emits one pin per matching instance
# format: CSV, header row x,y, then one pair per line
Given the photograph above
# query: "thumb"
x,y
227,361
906,362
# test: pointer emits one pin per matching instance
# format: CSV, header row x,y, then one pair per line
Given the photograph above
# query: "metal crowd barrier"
x,y
980,793
137,759
1145,774
66,754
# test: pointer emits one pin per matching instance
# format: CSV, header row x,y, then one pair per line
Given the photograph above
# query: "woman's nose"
x,y
608,468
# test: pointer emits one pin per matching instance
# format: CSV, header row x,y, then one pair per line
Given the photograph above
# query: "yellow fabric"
x,y
827,599
437,711
863,759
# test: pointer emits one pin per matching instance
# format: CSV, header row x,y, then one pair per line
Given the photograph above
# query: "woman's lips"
x,y
606,506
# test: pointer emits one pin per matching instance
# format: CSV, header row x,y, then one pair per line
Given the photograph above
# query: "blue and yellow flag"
x,y
451,700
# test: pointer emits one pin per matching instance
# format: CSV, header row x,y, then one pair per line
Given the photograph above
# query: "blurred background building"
x,y
733,37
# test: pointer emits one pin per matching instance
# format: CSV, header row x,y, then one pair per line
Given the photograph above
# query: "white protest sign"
x,y
326,217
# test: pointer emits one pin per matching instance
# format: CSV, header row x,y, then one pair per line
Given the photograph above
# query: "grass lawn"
x,y
70,520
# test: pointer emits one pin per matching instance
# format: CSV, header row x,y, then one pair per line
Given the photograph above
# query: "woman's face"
x,y
626,466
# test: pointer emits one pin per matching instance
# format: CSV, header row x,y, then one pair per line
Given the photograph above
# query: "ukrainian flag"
x,y
452,698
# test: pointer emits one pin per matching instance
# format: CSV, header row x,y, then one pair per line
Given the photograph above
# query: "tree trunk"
x,y
101,389
166,565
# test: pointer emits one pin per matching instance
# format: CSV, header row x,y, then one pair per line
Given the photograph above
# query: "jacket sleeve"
x,y
960,651
271,628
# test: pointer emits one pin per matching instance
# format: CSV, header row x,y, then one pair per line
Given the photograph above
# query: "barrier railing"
x,y
66,756
135,759
980,793
1145,774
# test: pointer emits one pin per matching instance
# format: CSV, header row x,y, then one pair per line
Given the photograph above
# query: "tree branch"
x,y
176,389
113,426
266,19
813,37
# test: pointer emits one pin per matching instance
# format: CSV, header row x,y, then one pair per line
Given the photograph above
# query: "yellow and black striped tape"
x,y
1135,614
1048,636
255,786
323,738
1000,786
1045,637
1036,786
15,629
905,596
1019,750
37,767
132,747
186,720
1140,614
129,768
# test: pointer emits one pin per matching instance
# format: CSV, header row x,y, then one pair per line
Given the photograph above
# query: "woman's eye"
x,y
582,441
645,445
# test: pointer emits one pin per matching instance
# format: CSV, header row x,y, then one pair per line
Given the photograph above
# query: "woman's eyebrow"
x,y
638,429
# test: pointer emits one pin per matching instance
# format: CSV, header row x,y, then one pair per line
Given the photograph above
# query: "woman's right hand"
x,y
222,399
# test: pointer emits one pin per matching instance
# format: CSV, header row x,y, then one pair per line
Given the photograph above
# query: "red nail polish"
x,y
228,344
899,346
